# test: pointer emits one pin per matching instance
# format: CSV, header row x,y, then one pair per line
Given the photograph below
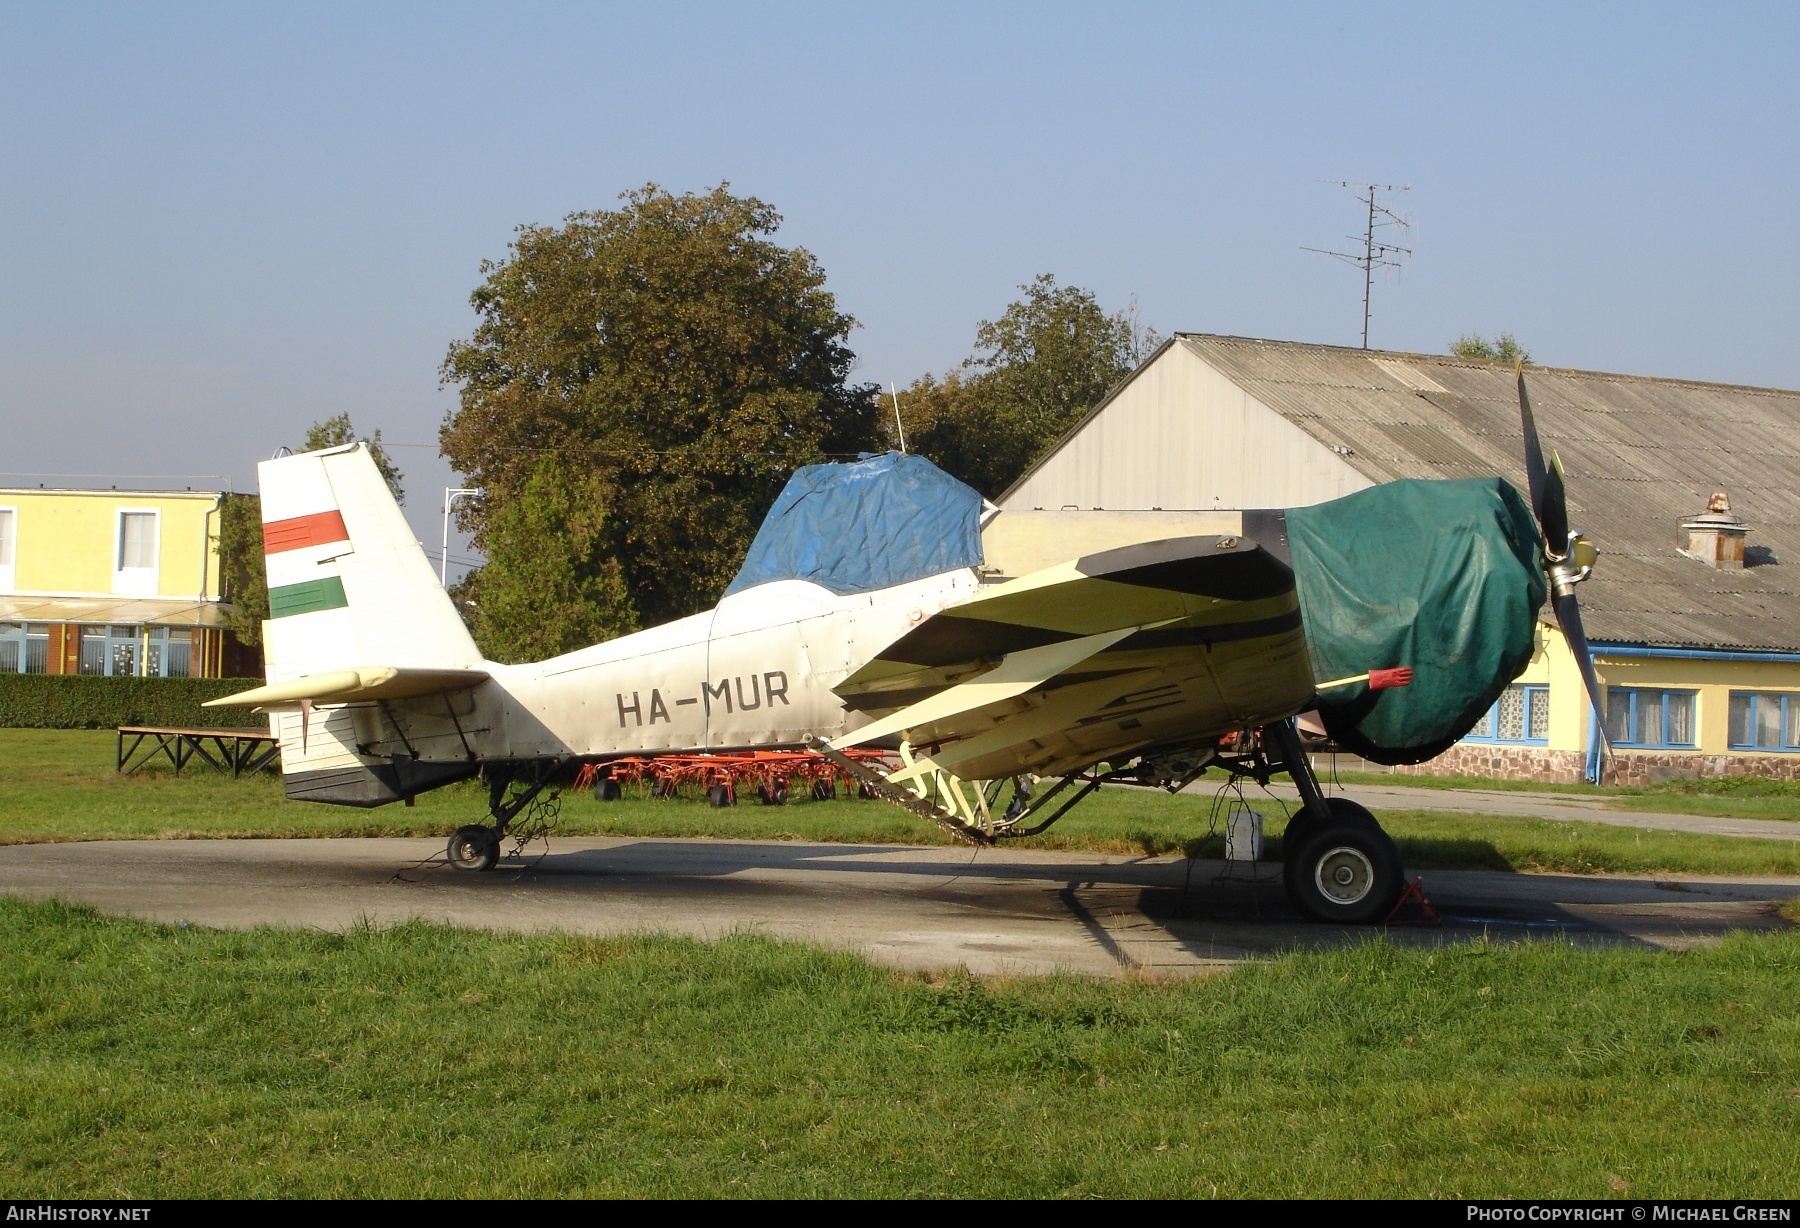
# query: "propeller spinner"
x,y
1569,557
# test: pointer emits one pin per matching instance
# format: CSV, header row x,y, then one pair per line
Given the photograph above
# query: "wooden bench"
x,y
236,752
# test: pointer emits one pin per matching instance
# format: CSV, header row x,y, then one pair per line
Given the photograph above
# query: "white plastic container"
x,y
1243,834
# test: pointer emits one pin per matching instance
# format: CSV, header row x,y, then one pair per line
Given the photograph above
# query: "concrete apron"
x,y
1560,807
996,911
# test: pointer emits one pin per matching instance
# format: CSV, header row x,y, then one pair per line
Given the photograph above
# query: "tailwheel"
x,y
1344,873
474,848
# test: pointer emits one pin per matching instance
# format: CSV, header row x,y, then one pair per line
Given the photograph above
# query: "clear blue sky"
x,y
218,224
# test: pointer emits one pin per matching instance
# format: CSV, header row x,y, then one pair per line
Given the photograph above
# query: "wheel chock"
x,y
1412,908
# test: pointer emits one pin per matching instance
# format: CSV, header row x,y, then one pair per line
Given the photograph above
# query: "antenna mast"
x,y
898,425
1376,254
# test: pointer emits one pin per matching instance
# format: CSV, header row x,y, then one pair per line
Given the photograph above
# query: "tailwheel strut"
x,y
477,847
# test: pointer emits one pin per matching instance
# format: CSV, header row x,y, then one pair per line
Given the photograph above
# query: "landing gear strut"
x,y
478,848
1338,866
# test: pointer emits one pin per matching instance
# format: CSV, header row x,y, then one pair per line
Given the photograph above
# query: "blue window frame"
x,y
1764,720
24,648
1520,716
1648,716
148,652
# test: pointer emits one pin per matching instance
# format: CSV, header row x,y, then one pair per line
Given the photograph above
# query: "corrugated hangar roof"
x,y
1642,454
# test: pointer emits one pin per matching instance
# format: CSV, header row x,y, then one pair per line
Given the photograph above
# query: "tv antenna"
x,y
1376,252
898,425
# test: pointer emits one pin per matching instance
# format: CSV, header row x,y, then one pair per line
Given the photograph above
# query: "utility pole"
x,y
1376,254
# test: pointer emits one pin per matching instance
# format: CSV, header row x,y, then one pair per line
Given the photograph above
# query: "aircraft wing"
x,y
1121,650
342,686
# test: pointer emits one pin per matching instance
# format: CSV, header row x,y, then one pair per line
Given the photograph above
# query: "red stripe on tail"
x,y
319,529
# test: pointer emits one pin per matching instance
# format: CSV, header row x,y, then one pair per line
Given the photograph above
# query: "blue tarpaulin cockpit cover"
x,y
867,525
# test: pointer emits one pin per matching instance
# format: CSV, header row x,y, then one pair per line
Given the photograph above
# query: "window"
x,y
1644,716
24,648
121,652
134,565
1764,720
166,652
109,651
1521,714
9,519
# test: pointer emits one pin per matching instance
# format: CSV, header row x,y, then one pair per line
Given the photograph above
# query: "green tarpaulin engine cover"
x,y
1381,583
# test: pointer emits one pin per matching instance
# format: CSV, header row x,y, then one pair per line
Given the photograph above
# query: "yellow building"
x,y
1693,612
115,582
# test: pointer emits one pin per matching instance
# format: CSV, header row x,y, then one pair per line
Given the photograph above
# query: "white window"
x,y
134,560
9,519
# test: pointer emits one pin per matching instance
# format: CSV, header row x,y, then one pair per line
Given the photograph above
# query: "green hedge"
x,y
73,701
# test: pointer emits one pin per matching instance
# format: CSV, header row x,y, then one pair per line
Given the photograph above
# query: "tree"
x,y
548,587
1049,358
336,431
244,586
1501,349
672,353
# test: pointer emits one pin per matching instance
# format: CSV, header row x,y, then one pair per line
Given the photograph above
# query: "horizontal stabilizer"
x,y
353,685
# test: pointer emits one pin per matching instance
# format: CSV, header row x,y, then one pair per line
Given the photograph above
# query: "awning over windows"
x,y
140,611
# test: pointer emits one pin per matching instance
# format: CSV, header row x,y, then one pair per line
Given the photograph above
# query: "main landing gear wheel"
x,y
474,848
1306,821
1344,873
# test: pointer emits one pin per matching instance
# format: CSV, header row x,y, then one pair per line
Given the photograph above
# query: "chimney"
x,y
1716,537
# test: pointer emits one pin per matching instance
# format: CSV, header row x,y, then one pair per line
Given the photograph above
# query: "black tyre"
x,y
719,796
1305,821
823,790
474,848
773,794
607,790
1345,873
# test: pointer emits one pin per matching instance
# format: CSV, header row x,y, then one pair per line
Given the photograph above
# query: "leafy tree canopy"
x,y
241,566
547,587
1502,348
336,431
673,355
1049,358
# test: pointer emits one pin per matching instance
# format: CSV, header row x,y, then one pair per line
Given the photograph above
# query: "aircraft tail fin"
x,y
349,584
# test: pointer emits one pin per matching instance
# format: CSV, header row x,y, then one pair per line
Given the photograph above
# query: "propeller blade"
x,y
1568,617
1549,491
1534,451
1553,514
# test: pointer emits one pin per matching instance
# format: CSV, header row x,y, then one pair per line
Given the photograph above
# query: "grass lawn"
x,y
1737,797
60,785
145,1061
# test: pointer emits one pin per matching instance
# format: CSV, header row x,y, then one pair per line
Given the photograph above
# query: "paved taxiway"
x,y
1560,807
996,911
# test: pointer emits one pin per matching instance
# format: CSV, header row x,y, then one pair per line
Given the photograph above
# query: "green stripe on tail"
x,y
309,597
